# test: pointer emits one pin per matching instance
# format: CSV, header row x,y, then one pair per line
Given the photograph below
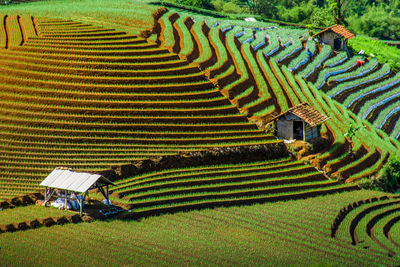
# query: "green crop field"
x,y
132,16
176,108
281,233
21,214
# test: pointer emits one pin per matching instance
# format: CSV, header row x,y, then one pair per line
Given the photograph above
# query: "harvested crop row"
x,y
220,111
15,30
92,46
5,70
161,58
54,67
130,41
35,58
140,52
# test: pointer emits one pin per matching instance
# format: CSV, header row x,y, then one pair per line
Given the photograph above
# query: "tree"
x,y
196,3
388,179
395,8
351,132
338,10
252,6
392,172
321,17
266,8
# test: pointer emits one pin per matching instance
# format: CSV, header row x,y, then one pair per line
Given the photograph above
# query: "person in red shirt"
x,y
360,63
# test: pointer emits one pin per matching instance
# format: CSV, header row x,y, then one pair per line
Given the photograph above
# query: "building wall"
x,y
285,129
311,132
329,37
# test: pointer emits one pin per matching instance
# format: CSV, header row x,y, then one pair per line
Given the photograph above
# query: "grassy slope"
x,y
282,233
21,214
274,233
132,16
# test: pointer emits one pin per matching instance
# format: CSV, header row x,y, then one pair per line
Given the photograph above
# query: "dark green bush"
x,y
193,9
229,7
387,180
5,2
377,22
196,3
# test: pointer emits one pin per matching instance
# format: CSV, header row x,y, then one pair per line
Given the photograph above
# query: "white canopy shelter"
x,y
74,182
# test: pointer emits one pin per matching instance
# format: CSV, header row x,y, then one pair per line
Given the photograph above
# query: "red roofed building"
x,y
336,36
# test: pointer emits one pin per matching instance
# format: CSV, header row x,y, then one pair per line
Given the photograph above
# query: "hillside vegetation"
x,y
93,98
177,109
374,18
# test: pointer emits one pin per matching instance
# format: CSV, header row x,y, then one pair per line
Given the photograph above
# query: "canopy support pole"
x,y
108,196
85,195
80,206
102,191
49,192
65,199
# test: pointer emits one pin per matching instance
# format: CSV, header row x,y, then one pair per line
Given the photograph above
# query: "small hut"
x,y
74,186
336,36
301,122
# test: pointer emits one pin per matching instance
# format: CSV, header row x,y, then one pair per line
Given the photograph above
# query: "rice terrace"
x,y
197,133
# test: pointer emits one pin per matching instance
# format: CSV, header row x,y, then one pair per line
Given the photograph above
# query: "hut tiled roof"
x,y
339,29
307,113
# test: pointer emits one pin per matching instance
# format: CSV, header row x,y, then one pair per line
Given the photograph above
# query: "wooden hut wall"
x,y
285,129
328,37
311,132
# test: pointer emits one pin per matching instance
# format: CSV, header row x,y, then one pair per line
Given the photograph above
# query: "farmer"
x,y
360,62
309,54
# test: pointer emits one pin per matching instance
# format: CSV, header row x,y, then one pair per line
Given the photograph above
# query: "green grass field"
x,y
295,233
132,16
21,214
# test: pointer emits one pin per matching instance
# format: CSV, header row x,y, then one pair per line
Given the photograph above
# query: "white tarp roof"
x,y
250,19
72,181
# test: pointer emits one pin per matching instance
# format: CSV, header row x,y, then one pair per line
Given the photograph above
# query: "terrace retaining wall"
x,y
212,156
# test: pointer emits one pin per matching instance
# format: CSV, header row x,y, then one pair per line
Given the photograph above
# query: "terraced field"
x,y
368,224
222,60
371,91
223,185
93,98
27,213
269,87
16,30
285,233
